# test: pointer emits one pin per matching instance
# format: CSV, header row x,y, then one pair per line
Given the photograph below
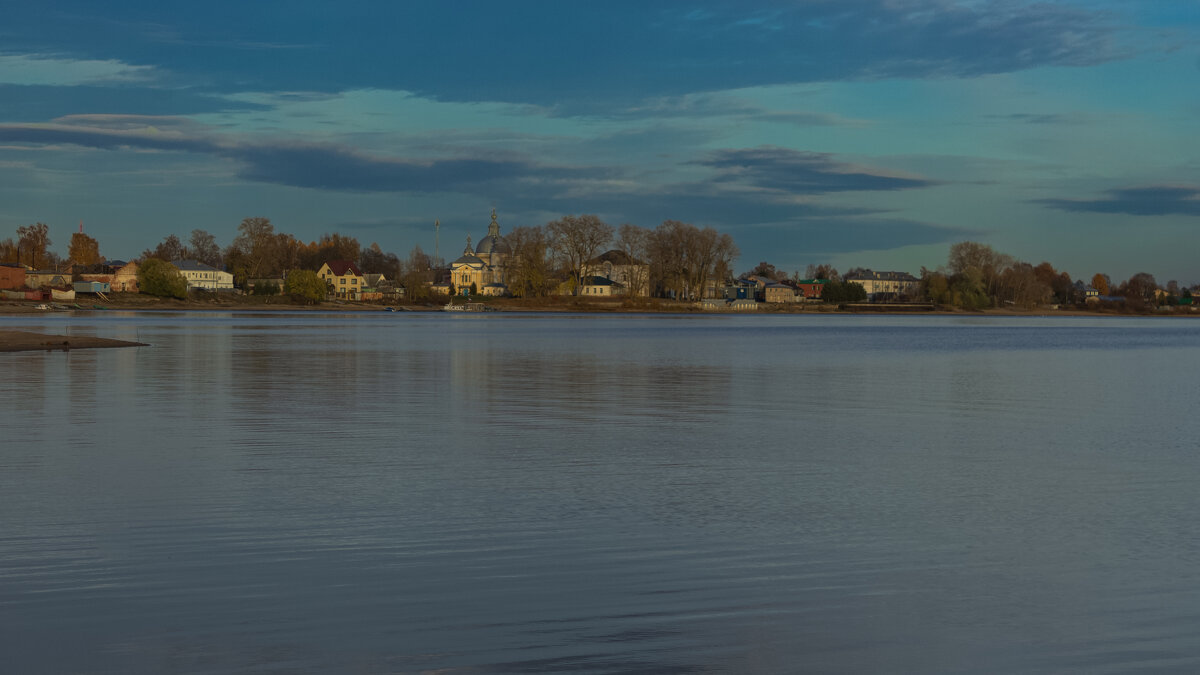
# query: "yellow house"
x,y
344,277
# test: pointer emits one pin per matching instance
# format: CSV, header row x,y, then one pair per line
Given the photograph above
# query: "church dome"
x,y
493,245
493,242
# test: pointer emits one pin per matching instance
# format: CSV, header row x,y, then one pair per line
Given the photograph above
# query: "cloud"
x,y
708,106
822,238
1162,200
32,69
43,102
1040,118
575,57
299,164
797,172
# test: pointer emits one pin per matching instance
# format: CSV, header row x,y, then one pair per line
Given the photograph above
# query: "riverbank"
x,y
249,303
22,341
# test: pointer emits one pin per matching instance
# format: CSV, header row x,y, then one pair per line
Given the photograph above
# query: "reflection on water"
x,y
316,493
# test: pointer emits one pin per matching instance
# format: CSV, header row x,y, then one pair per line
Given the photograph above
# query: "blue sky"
x,y
869,133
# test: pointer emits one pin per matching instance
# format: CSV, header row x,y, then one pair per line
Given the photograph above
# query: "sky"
x,y
862,133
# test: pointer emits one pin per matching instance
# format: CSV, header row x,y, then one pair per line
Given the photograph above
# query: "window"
x,y
343,282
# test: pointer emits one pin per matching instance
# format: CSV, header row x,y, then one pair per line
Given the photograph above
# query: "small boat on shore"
x,y
465,307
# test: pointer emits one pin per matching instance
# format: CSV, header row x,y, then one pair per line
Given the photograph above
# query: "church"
x,y
482,271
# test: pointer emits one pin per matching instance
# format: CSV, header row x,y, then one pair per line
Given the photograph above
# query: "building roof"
x,y
341,267
871,275
615,257
469,259
599,281
193,266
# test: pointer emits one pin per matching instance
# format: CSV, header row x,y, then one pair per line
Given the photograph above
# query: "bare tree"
x,y
530,264
169,249
254,248
32,242
578,239
822,271
203,247
634,243
417,274
668,257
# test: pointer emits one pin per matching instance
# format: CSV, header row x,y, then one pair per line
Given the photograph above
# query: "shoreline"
x,y
562,304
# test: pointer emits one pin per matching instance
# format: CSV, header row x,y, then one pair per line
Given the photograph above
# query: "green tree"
x,y
843,291
305,286
161,278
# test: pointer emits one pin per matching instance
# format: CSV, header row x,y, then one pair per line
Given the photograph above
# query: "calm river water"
x,y
507,493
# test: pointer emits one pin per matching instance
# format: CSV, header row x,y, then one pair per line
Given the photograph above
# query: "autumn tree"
x,y
373,260
1139,288
83,249
330,247
578,239
8,251
1100,283
32,244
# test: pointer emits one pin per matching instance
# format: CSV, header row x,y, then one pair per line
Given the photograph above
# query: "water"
x,y
402,493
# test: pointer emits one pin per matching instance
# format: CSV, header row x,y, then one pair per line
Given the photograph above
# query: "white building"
x,y
203,276
885,285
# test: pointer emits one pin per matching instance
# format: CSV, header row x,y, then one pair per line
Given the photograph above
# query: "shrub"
x,y
305,286
161,278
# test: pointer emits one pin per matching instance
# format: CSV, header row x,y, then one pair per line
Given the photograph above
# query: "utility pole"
x,y
437,256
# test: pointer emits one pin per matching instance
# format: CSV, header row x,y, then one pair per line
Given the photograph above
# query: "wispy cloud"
x,y
1161,200
299,164
796,172
717,106
1041,118
27,69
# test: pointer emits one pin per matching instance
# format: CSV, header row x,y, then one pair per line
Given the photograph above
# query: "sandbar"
x,y
23,341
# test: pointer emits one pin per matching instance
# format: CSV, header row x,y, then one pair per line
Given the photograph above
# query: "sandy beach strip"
x,y
22,341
